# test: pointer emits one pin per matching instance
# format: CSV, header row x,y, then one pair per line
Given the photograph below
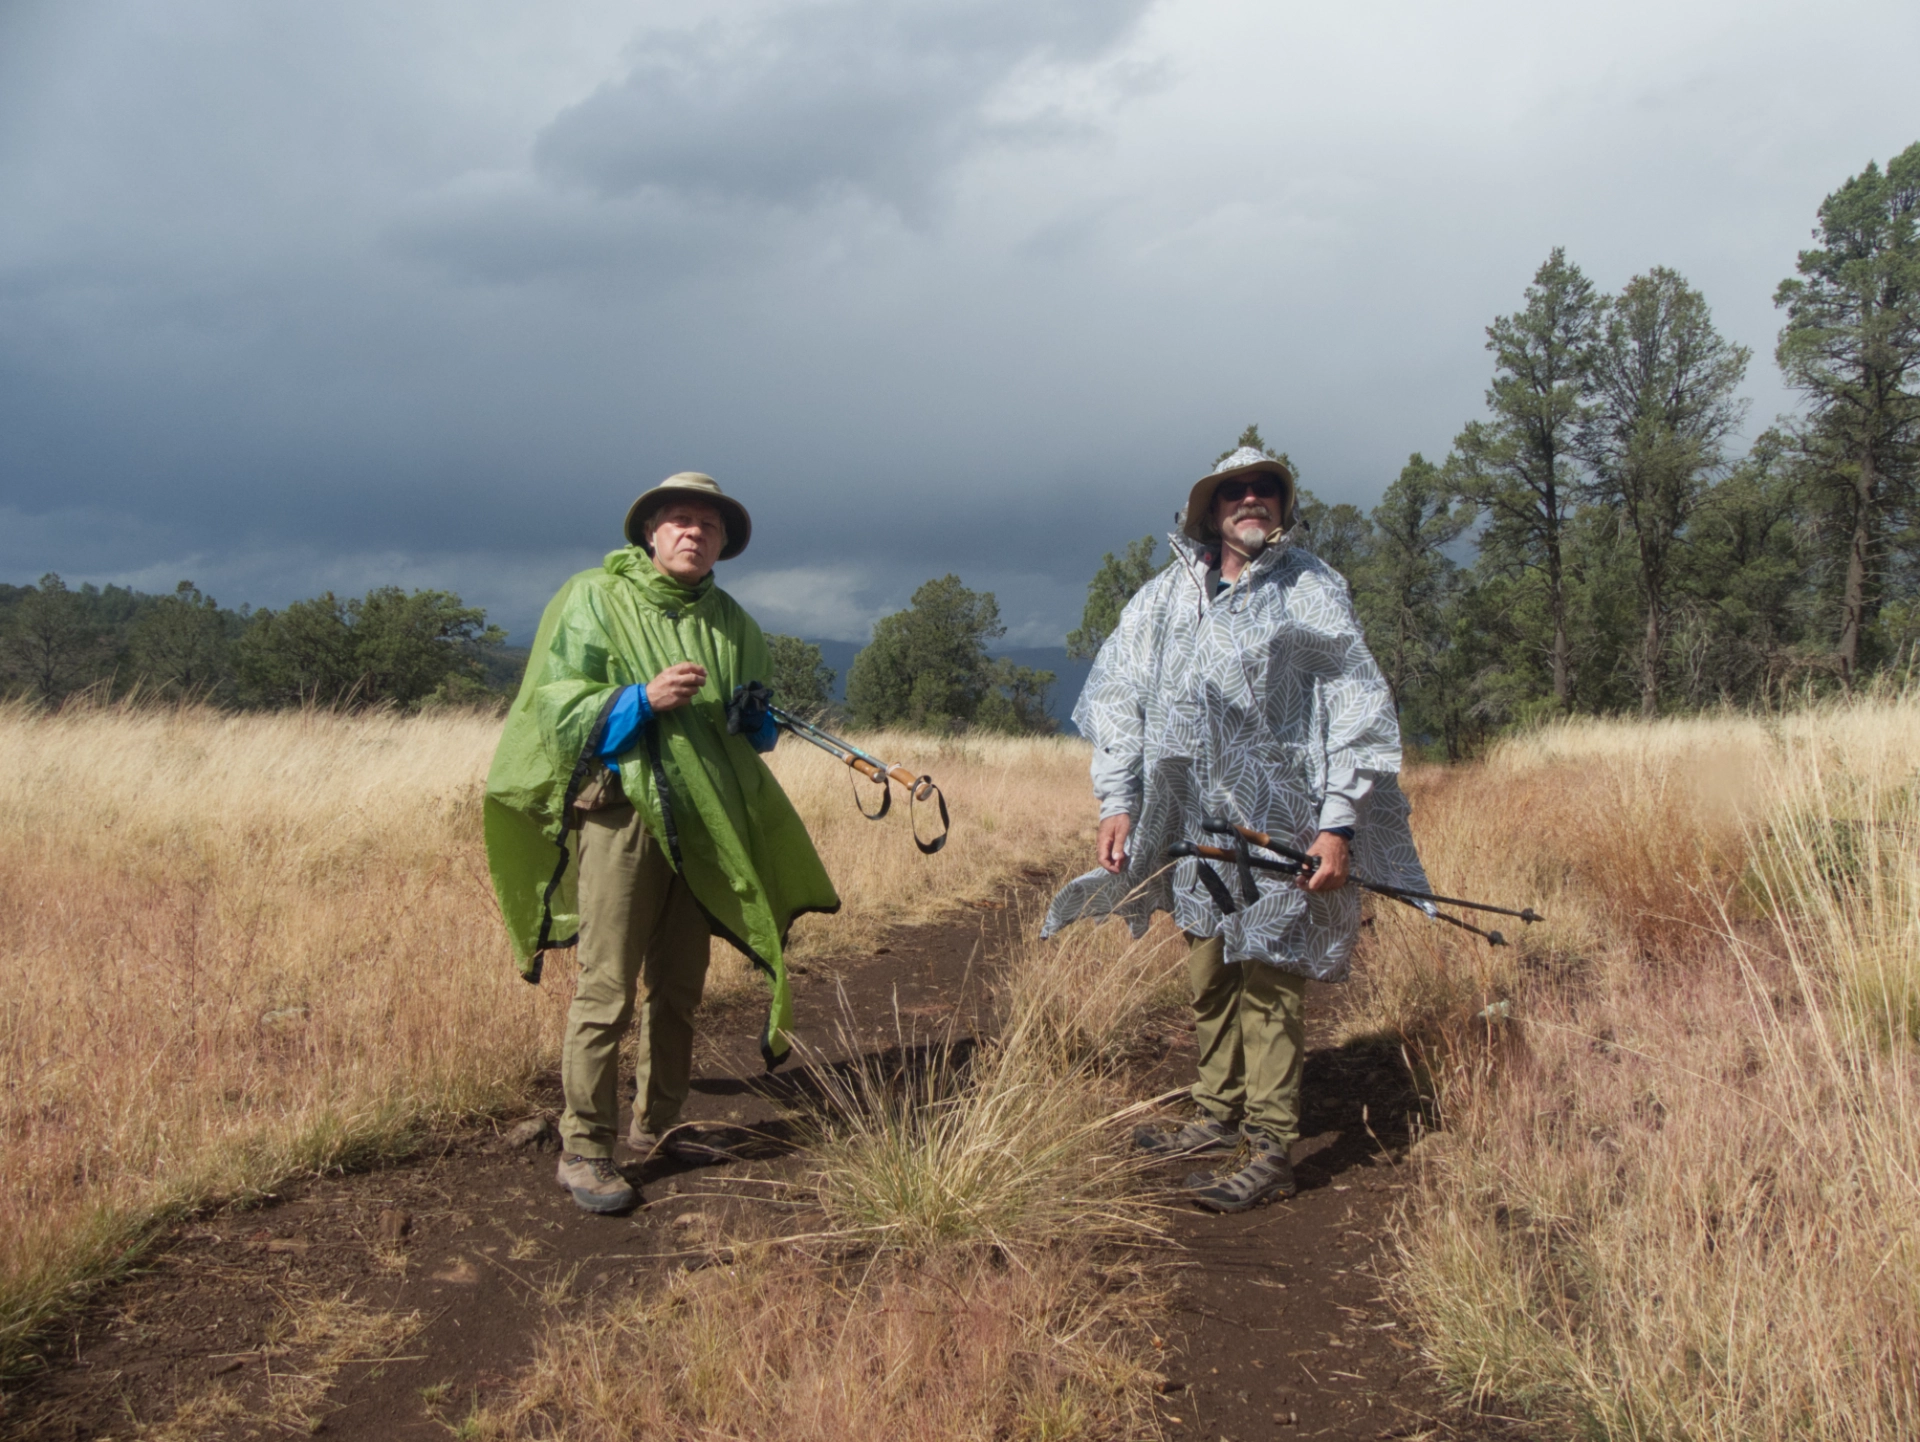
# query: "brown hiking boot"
x,y
1197,1138
596,1183
689,1142
1267,1174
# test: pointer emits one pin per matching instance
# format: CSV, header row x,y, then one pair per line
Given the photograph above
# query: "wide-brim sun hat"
x,y
691,486
1196,522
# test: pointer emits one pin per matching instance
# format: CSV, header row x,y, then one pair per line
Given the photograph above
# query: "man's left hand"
x,y
1332,853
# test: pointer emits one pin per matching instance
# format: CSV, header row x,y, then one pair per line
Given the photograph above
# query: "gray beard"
x,y
1248,535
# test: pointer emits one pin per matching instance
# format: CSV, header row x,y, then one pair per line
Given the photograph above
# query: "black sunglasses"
x,y
1265,488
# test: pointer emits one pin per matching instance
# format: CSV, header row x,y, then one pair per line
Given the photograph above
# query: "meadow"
x,y
241,948
1674,1186
1668,1191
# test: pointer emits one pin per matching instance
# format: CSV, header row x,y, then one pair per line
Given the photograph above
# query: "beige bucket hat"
x,y
1196,522
691,486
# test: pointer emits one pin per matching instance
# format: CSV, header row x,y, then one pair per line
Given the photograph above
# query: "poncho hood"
x,y
740,845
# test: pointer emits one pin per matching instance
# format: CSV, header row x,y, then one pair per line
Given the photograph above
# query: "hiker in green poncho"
x,y
640,725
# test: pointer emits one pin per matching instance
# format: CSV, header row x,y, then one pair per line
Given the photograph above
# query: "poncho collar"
x,y
661,590
1193,558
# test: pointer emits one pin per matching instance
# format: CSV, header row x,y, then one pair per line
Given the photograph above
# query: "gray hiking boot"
x,y
1197,1138
689,1142
1267,1174
596,1183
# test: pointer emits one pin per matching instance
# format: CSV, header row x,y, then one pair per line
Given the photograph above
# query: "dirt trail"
x,y
383,1305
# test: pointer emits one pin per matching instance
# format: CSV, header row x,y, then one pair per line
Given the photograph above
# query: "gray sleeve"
x,y
1112,713
1363,731
1347,790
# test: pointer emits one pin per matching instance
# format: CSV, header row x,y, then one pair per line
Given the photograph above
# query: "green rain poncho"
x,y
741,847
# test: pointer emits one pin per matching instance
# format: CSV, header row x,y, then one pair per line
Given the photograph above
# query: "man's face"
x,y
687,538
1246,509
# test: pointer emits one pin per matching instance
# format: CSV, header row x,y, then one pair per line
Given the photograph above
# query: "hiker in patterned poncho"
x,y
1237,683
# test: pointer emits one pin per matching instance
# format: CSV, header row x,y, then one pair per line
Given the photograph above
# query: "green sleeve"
x,y
581,672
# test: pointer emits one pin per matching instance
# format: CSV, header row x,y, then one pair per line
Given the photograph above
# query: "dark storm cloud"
x,y
813,103
295,296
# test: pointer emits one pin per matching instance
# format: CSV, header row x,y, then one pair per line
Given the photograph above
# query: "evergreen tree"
x,y
409,645
802,680
180,646
1663,382
927,666
387,646
52,645
1112,586
300,655
1016,701
1251,438
1851,345
1404,583
1745,582
1518,466
1340,534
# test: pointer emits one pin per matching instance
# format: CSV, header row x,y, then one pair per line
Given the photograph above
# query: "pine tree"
x,y
802,680
1663,381
52,644
179,646
1404,583
1851,345
1112,586
927,666
1519,466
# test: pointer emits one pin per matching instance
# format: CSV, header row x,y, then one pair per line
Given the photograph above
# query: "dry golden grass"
x,y
1020,1145
244,947
776,1345
1676,1192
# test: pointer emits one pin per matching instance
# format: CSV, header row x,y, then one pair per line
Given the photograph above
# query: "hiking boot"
x,y
1267,1174
1197,1138
596,1183
689,1142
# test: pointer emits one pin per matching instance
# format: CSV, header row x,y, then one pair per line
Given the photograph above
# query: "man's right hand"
x,y
675,686
1114,831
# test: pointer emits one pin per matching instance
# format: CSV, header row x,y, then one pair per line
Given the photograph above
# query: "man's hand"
x,y
1114,831
675,686
1331,852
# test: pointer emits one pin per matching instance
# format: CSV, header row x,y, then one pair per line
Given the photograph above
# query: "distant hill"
x,y
1066,690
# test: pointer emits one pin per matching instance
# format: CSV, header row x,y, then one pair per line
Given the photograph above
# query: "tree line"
x,y
927,666
1594,544
387,647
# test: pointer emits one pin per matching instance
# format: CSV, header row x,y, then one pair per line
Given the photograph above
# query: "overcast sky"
x,y
297,296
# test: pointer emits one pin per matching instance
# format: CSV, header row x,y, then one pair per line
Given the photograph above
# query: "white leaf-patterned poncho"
x,y
1262,704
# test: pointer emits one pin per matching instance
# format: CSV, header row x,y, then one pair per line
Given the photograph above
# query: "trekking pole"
x,y
1221,826
919,788
1223,898
1298,863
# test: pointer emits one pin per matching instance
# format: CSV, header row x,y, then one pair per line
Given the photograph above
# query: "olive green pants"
x,y
1250,1025
640,931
